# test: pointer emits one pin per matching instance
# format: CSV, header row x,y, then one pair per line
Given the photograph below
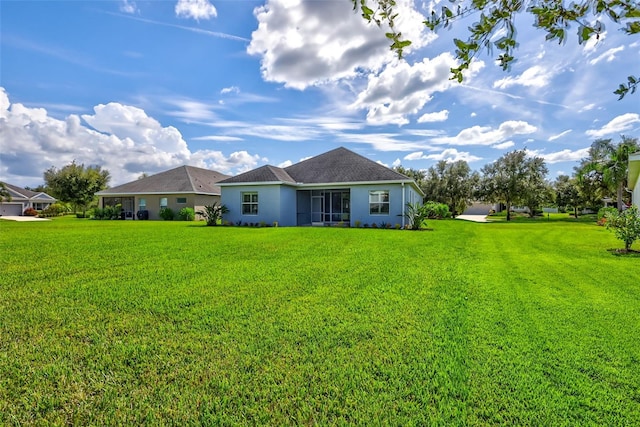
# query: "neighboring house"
x,y
336,187
185,186
634,178
482,208
22,199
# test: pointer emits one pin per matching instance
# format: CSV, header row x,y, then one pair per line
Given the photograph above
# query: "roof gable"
x,y
265,173
341,165
183,179
19,193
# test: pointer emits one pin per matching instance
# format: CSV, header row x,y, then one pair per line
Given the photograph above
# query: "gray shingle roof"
x,y
341,165
336,166
265,173
183,179
19,193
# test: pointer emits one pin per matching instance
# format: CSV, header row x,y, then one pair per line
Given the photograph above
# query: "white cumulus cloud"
x,y
561,156
622,123
120,138
307,43
195,9
485,135
535,76
402,89
449,155
440,116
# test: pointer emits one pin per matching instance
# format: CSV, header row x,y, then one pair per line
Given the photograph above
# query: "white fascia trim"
x,y
256,184
320,184
155,193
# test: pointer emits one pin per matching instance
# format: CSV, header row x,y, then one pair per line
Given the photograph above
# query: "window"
x,y
163,202
181,200
142,204
379,202
249,203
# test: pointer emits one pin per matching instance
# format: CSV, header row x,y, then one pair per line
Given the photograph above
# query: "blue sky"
x,y
138,87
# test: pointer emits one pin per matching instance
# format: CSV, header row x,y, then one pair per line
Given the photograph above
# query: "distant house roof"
x,y
19,193
336,166
183,179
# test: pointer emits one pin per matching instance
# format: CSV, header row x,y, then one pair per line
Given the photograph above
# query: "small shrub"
x,y
398,226
437,210
602,213
167,214
30,212
374,225
625,225
366,225
357,223
54,209
187,214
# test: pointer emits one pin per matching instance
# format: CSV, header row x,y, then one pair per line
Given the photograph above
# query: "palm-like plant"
x,y
608,164
213,213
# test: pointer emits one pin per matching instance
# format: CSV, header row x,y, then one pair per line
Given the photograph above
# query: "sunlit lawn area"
x,y
142,322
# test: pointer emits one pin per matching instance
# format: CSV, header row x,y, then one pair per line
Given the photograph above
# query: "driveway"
x,y
473,218
23,218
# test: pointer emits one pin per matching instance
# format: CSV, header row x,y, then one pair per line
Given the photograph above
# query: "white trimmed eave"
x,y
634,170
321,184
154,193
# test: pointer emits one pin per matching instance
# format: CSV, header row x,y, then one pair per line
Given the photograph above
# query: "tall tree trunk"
x,y
508,211
619,196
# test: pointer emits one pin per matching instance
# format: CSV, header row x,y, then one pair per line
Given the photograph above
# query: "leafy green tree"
x,y
76,184
5,195
625,225
567,193
495,28
505,180
451,183
536,191
603,173
415,174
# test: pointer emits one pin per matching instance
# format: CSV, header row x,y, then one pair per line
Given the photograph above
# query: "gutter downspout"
x,y
403,206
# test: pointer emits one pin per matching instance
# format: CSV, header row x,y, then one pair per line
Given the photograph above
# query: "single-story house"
x,y
21,199
184,186
633,181
337,187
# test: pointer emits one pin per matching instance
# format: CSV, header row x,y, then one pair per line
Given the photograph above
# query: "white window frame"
x,y
164,202
376,197
250,206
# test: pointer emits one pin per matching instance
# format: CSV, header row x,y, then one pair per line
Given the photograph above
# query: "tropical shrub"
x,y
625,225
213,213
187,214
437,210
603,211
30,212
54,209
107,213
416,215
167,214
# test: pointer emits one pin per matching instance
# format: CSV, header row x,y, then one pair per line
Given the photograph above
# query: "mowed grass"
x,y
113,323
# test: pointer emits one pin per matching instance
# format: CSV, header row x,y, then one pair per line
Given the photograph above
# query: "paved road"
x,y
474,218
23,218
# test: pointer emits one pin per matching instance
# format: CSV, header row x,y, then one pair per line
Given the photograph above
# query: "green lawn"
x,y
128,323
